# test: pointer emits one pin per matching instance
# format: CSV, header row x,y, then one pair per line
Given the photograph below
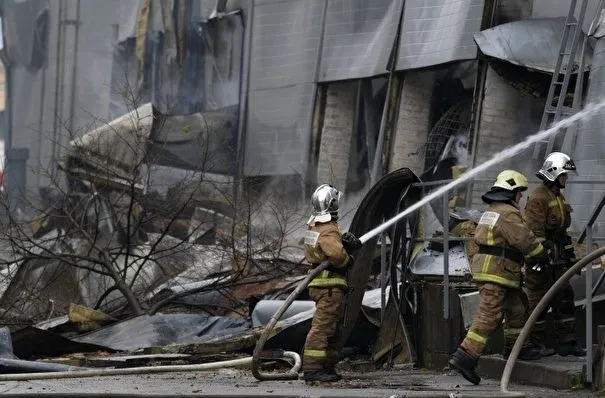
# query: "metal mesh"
x,y
454,120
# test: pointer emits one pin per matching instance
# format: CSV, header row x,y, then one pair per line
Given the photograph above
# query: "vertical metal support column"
x,y
240,149
15,177
589,307
446,260
383,276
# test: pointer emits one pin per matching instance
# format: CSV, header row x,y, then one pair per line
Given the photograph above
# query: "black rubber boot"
x,y
571,348
527,353
465,365
332,371
544,351
321,376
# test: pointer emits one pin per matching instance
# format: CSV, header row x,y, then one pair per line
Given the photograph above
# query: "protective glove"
x,y
569,253
540,267
342,271
350,243
549,248
542,262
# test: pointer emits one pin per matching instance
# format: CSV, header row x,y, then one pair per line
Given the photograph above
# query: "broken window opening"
x,y
371,100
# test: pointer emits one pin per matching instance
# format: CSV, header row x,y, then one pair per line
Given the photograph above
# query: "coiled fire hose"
x,y
510,363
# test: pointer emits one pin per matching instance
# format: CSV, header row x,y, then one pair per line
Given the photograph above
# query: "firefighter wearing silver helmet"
x,y
504,243
549,216
324,241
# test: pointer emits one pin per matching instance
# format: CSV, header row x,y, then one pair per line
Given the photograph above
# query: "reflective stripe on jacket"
x,y
503,226
548,215
323,242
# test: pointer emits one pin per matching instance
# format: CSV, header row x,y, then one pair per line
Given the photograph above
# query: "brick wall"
x,y
336,136
412,126
497,128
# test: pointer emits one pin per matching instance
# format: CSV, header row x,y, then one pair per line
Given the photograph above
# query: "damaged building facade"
x,y
305,91
281,95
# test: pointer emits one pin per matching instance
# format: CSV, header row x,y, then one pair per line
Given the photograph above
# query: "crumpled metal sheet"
x,y
430,263
161,330
265,309
33,342
116,148
533,43
199,141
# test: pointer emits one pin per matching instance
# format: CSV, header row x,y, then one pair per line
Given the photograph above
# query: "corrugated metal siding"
x,y
358,38
284,53
438,31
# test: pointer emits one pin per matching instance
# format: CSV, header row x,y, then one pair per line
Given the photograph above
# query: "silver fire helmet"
x,y
554,165
325,200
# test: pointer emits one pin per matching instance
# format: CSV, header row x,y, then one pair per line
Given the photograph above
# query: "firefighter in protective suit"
x,y
323,241
504,243
549,217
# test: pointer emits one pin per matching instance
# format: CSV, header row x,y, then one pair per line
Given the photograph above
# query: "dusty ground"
x,y
240,383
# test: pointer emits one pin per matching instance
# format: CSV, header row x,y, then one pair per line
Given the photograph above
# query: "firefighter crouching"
x,y
549,216
504,244
323,241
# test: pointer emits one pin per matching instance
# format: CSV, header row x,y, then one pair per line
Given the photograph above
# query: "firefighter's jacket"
x,y
548,216
323,242
503,232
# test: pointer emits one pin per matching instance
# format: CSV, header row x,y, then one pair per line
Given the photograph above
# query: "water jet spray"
x,y
588,111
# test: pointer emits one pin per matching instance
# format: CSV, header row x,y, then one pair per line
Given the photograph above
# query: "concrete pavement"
x,y
240,383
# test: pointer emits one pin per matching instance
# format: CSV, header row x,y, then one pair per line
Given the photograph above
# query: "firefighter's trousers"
x,y
496,303
323,345
562,304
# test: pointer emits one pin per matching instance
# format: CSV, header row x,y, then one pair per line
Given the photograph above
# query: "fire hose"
x,y
586,260
259,355
258,352
510,363
142,370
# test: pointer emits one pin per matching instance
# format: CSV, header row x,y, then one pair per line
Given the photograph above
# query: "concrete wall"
x,y
412,126
42,100
337,133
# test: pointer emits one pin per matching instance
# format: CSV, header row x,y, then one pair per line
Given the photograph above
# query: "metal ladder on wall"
x,y
560,79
